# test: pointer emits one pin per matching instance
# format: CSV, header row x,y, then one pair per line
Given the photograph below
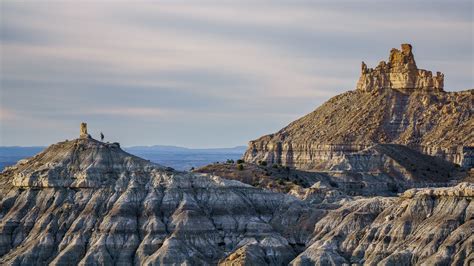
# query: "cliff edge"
x,y
395,103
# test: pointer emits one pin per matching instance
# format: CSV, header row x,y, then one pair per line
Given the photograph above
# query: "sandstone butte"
x,y
393,103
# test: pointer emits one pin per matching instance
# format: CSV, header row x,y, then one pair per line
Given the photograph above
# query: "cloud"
x,y
228,68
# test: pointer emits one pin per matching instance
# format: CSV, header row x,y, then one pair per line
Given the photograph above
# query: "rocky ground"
x,y
383,169
87,202
422,227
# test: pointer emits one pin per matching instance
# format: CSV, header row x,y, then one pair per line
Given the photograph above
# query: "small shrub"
x,y
240,167
230,161
263,163
275,166
280,182
240,161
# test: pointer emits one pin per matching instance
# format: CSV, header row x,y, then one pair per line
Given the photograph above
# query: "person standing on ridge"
x,y
101,137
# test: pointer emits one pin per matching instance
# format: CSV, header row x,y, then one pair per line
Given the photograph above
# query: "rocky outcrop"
x,y
423,227
399,161
83,132
422,117
383,169
86,202
399,73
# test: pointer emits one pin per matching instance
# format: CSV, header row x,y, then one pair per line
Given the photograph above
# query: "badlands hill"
x,y
90,203
84,202
87,202
394,103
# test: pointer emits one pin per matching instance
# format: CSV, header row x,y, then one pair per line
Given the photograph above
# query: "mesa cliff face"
x,y
394,103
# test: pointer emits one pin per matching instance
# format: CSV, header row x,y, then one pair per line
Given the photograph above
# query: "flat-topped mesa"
x,y
399,73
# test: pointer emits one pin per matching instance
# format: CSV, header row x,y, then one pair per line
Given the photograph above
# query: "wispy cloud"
x,y
231,70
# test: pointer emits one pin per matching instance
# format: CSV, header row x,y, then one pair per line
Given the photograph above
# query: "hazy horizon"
x,y
139,146
213,74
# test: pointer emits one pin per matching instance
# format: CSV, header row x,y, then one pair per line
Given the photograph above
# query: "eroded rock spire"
x,y
83,133
399,73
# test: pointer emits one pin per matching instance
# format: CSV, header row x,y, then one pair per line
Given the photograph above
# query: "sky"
x,y
205,74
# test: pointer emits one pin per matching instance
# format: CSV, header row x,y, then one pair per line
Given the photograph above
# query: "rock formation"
x,y
83,133
422,227
399,73
393,103
90,203
383,169
85,202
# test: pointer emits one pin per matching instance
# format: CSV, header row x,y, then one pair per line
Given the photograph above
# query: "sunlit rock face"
x,y
87,202
394,103
400,72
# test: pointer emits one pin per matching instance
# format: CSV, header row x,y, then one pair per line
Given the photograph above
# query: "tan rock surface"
x,y
400,73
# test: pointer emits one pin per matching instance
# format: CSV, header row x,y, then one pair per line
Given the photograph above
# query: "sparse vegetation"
x,y
240,167
240,161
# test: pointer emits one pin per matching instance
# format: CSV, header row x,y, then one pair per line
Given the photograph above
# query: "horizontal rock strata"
x,y
400,72
431,121
86,202
423,227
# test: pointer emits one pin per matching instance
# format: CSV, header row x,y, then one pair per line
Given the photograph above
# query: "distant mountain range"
x,y
167,148
180,158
